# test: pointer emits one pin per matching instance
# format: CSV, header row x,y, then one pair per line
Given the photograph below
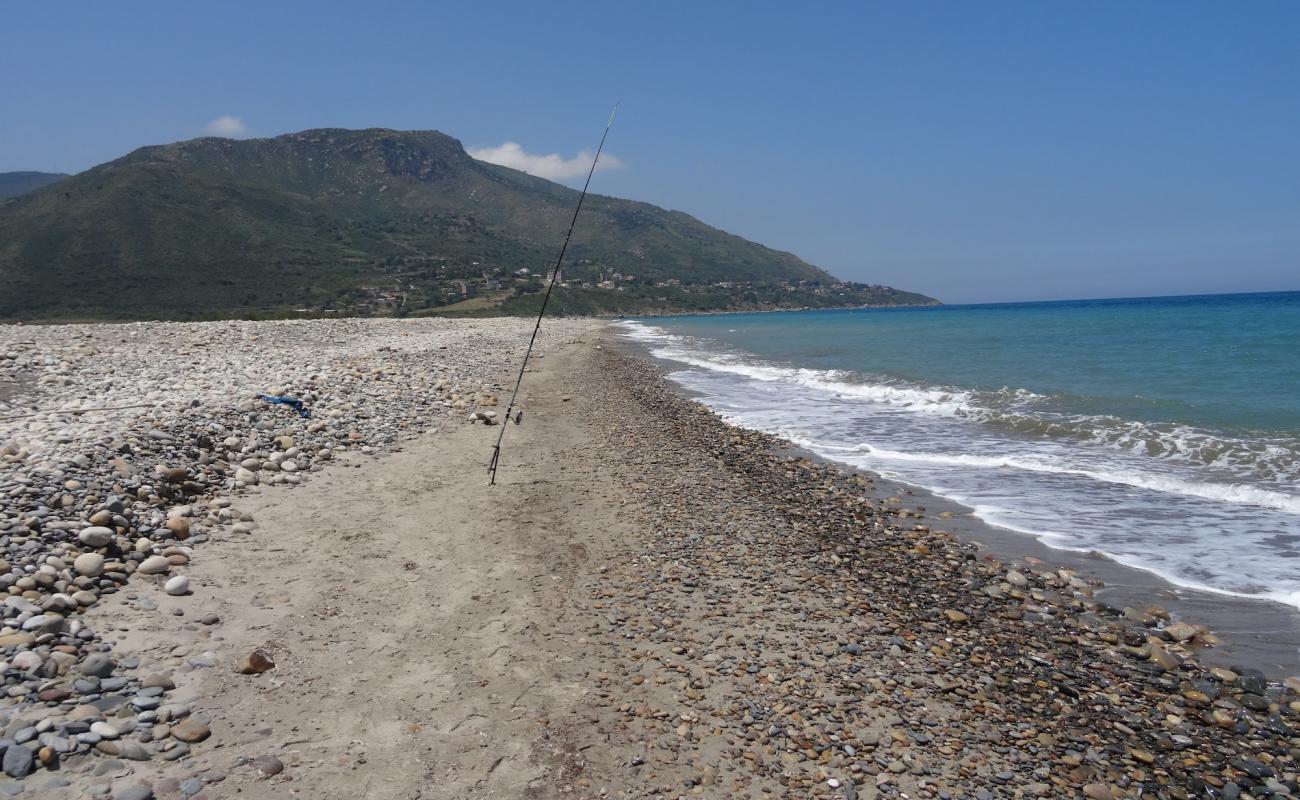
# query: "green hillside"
x,y
372,221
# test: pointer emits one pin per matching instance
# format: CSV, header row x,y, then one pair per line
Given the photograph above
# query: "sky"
x,y
976,152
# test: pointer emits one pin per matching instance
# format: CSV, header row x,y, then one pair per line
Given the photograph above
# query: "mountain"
x,y
368,221
13,184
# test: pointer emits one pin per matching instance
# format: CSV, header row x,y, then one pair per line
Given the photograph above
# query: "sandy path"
x,y
417,617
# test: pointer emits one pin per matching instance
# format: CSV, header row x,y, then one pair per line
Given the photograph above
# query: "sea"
x,y
1162,432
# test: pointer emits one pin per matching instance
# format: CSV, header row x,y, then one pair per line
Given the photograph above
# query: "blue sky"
x,y
973,151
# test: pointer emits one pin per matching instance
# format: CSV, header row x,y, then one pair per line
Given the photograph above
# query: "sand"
x,y
650,604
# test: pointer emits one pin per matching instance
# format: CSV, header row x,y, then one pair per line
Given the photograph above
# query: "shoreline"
x,y
724,312
650,604
1263,633
1042,624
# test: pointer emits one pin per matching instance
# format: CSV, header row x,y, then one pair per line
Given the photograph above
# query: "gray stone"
x,y
105,730
176,753
18,761
267,766
96,665
96,536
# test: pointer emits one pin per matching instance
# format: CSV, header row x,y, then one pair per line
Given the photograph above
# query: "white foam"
x,y
831,381
1250,460
1235,493
1193,507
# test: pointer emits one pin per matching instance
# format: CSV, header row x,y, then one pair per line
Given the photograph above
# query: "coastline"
x,y
725,312
651,603
1262,633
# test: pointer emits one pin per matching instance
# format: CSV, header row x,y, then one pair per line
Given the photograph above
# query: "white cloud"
x,y
552,166
226,126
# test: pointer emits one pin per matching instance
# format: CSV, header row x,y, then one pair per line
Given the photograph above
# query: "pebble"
x,y
97,665
105,730
256,662
154,565
177,585
89,564
267,766
18,760
824,608
97,536
969,678
190,731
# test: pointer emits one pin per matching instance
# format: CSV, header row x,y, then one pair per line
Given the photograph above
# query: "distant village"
x,y
450,284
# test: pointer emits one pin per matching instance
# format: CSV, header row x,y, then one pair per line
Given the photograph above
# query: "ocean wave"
x,y
831,381
1236,493
1205,510
1011,410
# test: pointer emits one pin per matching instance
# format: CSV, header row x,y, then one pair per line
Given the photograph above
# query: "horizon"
x,y
1004,154
942,305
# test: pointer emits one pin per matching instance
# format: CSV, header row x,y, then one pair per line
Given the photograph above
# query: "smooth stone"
x,y
154,565
177,585
176,753
158,680
104,730
26,661
1164,659
96,665
89,564
190,731
1181,631
96,536
18,761
179,526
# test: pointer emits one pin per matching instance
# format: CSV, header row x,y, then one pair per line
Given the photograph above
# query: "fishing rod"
x,y
555,274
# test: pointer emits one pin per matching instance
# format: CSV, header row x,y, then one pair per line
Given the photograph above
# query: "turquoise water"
x,y
1164,432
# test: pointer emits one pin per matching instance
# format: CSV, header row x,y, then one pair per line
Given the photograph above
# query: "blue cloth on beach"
x,y
287,400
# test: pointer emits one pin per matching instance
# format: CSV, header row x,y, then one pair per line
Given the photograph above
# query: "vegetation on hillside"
x,y
364,222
